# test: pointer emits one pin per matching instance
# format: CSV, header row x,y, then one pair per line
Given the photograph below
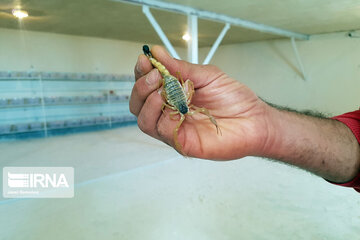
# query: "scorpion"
x,y
177,97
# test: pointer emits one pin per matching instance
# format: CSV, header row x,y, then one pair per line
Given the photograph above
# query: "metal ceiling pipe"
x,y
172,7
193,50
216,44
159,31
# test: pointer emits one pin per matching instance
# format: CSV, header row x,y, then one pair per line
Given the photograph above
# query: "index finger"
x,y
142,66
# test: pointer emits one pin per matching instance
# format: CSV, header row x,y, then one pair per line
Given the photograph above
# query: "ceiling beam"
x,y
193,51
177,8
160,32
298,59
216,44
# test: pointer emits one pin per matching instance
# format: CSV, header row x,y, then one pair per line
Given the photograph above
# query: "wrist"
x,y
267,134
273,139
322,146
294,138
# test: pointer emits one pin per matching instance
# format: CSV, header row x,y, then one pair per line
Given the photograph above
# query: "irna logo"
x,y
38,182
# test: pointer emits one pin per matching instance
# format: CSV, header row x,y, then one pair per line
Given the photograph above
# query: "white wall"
x,y
64,53
331,61
22,50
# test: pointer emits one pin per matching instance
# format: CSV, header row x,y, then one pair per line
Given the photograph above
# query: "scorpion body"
x,y
177,96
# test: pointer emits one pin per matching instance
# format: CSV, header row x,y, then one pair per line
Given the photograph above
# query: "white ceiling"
x,y
114,20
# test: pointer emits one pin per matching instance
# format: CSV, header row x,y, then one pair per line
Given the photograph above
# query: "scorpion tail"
x,y
146,50
154,62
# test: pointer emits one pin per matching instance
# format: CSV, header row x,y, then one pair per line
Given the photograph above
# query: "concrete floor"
x,y
129,186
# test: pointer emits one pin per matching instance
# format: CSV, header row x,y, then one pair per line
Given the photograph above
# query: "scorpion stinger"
x,y
146,51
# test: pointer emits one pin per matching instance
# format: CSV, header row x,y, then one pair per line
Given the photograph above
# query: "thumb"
x,y
200,75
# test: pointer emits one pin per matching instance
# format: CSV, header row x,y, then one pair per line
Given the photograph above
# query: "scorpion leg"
x,y
160,83
189,90
167,105
177,144
207,113
178,75
172,115
188,86
163,95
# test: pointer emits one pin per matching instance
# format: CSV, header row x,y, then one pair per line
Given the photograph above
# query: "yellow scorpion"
x,y
177,96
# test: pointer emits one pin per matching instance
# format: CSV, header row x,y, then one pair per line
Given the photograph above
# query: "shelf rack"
x,y
33,102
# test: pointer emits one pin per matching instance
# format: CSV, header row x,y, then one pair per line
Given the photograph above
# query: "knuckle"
x,y
153,97
144,127
213,68
154,101
162,131
131,108
141,124
140,88
136,88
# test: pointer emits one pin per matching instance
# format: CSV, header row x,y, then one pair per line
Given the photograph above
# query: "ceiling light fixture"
x,y
186,37
20,13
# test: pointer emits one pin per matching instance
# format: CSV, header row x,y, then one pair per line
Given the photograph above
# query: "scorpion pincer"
x,y
177,96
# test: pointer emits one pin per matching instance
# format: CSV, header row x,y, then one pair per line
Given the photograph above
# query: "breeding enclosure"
x,y
66,78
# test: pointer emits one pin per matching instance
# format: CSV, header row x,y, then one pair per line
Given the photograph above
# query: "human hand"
x,y
240,114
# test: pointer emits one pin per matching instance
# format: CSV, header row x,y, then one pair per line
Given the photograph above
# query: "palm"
x,y
234,107
237,110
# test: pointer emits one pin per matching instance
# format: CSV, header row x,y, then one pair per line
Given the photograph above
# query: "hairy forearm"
x,y
320,145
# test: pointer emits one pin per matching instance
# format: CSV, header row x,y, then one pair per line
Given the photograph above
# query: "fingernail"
x,y
152,78
137,66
